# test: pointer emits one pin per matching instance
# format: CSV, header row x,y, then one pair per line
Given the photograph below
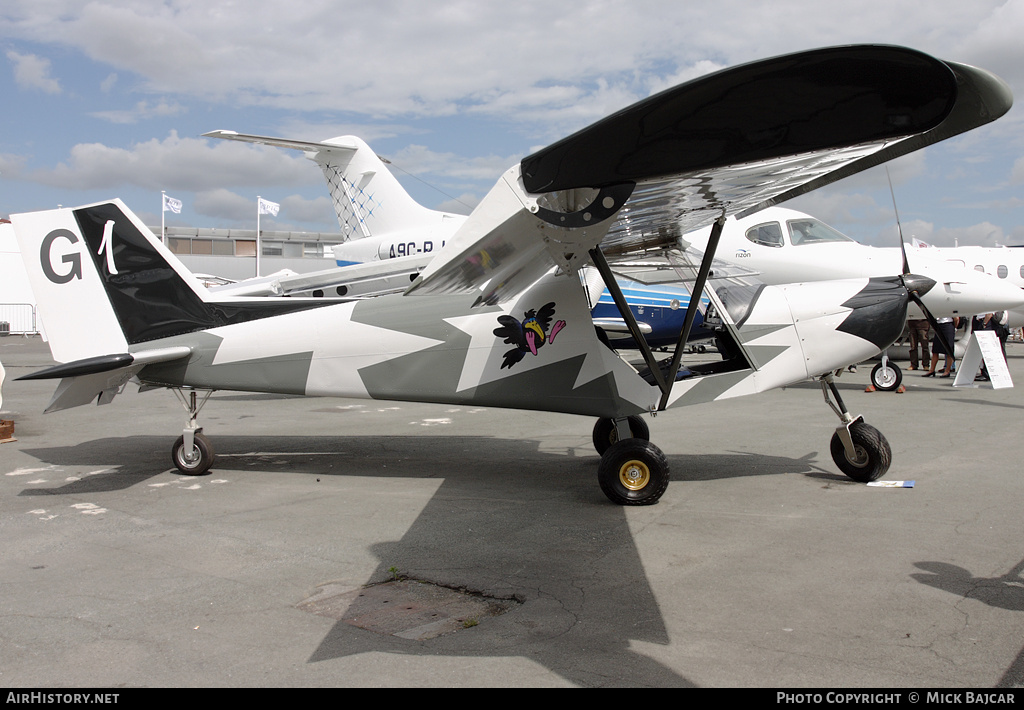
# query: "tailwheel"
x,y
195,461
886,376
633,472
871,453
606,434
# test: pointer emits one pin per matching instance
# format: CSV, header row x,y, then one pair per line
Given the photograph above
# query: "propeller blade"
x,y
899,228
931,319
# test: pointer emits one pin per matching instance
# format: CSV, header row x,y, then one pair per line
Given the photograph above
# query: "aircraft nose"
x,y
879,312
971,293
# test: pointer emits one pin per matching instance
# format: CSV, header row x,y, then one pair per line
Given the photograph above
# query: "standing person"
x,y
979,323
1000,324
947,326
918,336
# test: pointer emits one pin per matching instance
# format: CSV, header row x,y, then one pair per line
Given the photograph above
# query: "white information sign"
x,y
983,346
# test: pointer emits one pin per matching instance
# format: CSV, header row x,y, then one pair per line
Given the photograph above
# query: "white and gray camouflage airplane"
x,y
499,316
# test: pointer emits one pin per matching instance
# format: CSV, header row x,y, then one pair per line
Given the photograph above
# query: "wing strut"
x,y
691,309
664,379
620,301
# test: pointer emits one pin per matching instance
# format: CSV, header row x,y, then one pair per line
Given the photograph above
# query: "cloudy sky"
x,y
109,98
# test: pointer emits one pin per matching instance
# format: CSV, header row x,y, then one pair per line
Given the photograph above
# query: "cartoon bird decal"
x,y
529,335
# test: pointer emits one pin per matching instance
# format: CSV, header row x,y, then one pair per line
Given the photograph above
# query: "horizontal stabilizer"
x,y
100,378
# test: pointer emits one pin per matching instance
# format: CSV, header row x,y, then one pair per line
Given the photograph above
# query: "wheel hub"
x,y
862,457
634,475
886,376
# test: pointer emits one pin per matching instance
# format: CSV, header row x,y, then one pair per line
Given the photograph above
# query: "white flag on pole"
x,y
268,207
172,204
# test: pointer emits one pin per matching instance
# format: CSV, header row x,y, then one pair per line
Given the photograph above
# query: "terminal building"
x,y
232,253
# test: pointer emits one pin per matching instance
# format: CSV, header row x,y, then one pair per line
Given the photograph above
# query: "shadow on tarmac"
x,y
1004,592
509,520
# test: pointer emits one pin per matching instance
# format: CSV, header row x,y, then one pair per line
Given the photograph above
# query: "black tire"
x,y
886,378
873,453
199,461
633,472
605,433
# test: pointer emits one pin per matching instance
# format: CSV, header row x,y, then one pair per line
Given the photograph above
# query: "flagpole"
x,y
163,217
259,246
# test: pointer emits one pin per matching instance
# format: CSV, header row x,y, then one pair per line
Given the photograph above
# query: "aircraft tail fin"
x,y
368,200
104,282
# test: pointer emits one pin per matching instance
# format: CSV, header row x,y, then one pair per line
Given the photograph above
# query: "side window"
x,y
979,267
1002,272
768,235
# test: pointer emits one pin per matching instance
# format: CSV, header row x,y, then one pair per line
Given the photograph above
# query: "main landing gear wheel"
x,y
873,455
633,472
605,433
195,462
886,377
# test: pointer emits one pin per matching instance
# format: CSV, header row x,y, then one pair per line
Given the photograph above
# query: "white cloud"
x,y
141,111
225,204
33,72
108,84
419,160
177,164
399,71
316,211
411,58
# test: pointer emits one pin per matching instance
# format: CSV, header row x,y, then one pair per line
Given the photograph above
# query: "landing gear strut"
x,y
192,453
858,449
606,432
633,471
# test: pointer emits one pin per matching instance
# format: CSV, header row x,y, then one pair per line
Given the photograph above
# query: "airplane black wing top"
x,y
731,142
754,113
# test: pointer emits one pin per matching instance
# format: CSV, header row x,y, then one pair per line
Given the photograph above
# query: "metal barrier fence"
x,y
18,319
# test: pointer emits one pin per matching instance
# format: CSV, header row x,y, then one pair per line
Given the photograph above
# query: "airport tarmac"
x,y
388,544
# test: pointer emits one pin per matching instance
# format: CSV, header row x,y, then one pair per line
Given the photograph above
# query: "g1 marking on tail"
x,y
107,246
74,258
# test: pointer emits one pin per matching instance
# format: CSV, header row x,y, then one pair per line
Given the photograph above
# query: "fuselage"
x,y
786,246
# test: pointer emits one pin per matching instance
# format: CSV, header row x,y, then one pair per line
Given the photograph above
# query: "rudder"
x,y
103,281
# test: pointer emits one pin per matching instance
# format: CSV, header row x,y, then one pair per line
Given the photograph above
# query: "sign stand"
x,y
983,345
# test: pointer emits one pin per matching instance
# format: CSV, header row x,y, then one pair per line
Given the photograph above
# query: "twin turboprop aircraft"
x,y
500,316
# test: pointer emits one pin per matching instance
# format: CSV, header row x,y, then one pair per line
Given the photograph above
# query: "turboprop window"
x,y
767,235
811,231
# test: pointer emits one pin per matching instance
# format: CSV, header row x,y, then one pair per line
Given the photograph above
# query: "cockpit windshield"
x,y
811,231
767,235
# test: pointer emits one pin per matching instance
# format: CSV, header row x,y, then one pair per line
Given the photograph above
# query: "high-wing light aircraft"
x,y
499,317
